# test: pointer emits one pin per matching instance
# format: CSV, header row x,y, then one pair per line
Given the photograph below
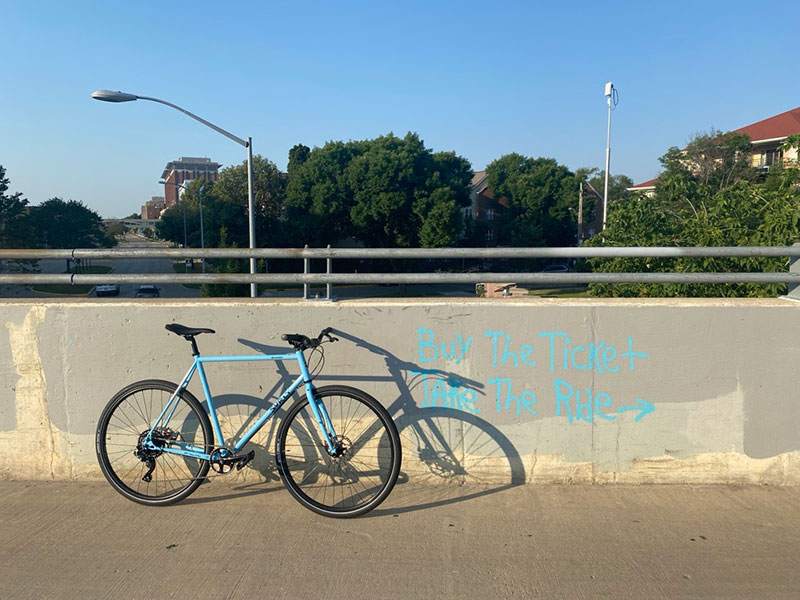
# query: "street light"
x,y
111,96
200,198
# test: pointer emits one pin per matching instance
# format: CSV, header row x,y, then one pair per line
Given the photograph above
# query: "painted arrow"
x,y
642,405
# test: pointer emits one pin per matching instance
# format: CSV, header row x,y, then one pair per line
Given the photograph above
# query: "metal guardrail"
x,y
791,277
567,252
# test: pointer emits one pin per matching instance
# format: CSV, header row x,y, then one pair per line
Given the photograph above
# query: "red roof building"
x,y
775,128
766,137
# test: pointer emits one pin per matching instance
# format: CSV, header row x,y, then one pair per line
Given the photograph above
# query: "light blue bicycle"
x,y
337,449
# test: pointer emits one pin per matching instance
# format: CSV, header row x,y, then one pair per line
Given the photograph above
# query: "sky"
x,y
480,78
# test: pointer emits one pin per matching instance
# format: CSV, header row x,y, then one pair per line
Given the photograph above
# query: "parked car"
x,y
147,291
107,289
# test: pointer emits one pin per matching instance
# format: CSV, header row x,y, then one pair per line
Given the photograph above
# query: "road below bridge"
x,y
119,266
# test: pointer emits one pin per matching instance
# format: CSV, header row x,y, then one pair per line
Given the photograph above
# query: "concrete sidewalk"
x,y
61,540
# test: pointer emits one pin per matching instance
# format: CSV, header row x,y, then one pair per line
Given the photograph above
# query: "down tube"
x,y
267,415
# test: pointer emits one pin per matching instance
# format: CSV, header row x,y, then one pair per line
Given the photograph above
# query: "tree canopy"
x,y
69,224
542,198
225,206
16,228
384,192
707,195
53,224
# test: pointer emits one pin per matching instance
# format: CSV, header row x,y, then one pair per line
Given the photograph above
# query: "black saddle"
x,y
186,332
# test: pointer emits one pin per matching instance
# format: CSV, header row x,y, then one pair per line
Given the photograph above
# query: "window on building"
x,y
770,157
489,214
489,234
468,212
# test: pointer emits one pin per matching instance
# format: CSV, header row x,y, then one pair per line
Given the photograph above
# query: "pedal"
x,y
243,460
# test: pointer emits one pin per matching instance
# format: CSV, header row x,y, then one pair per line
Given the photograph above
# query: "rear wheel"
x,y
152,476
366,460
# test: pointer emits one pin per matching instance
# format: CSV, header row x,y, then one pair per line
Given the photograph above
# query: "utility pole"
x,y
580,214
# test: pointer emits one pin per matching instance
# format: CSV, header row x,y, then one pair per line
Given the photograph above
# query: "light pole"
x,y
611,99
183,208
202,238
111,96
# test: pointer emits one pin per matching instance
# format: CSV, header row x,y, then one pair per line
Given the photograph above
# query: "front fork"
x,y
323,420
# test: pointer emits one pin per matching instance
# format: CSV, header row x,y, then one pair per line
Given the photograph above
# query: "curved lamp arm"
x,y
110,96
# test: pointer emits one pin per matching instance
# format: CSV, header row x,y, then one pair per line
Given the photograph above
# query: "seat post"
x,y
195,351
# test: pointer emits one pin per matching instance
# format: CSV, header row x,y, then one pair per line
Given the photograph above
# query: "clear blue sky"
x,y
483,79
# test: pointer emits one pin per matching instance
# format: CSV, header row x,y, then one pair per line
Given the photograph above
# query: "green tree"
x,y
710,162
297,156
617,190
115,229
792,141
319,197
269,186
711,204
69,224
542,198
384,192
170,226
405,195
16,227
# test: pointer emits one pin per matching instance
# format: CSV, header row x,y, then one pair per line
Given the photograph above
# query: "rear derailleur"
x,y
160,437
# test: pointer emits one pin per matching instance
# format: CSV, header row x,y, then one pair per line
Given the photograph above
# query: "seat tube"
x,y
318,408
212,413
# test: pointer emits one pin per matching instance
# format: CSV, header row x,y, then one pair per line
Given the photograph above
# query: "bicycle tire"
x,y
126,417
372,444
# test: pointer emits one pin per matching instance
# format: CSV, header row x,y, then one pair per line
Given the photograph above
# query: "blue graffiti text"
x,y
526,399
429,351
446,393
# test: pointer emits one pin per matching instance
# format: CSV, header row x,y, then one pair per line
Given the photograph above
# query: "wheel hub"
x,y
143,452
341,447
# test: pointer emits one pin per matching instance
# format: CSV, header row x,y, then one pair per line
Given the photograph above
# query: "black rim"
x,y
125,462
366,465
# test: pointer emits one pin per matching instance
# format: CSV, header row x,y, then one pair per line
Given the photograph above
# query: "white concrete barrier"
x,y
483,391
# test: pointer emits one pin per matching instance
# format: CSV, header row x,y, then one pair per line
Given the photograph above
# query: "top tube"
x,y
250,357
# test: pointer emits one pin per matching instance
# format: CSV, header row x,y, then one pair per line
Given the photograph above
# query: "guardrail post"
x,y
794,267
305,272
328,271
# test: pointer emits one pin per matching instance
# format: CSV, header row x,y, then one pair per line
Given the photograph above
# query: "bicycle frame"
x,y
184,449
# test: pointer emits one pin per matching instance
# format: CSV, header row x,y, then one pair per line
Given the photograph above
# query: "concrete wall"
x,y
483,391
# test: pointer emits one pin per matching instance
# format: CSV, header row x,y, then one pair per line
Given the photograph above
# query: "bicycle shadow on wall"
x,y
449,454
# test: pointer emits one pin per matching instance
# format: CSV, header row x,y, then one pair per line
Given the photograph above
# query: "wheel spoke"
x,y
364,472
126,419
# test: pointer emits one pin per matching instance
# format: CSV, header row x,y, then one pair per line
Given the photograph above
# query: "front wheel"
x,y
152,475
366,460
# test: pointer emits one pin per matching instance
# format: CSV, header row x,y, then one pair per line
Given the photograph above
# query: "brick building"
x,y
153,207
484,209
183,170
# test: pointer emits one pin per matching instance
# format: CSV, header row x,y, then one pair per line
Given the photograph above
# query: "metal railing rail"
x,y
419,253
791,277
